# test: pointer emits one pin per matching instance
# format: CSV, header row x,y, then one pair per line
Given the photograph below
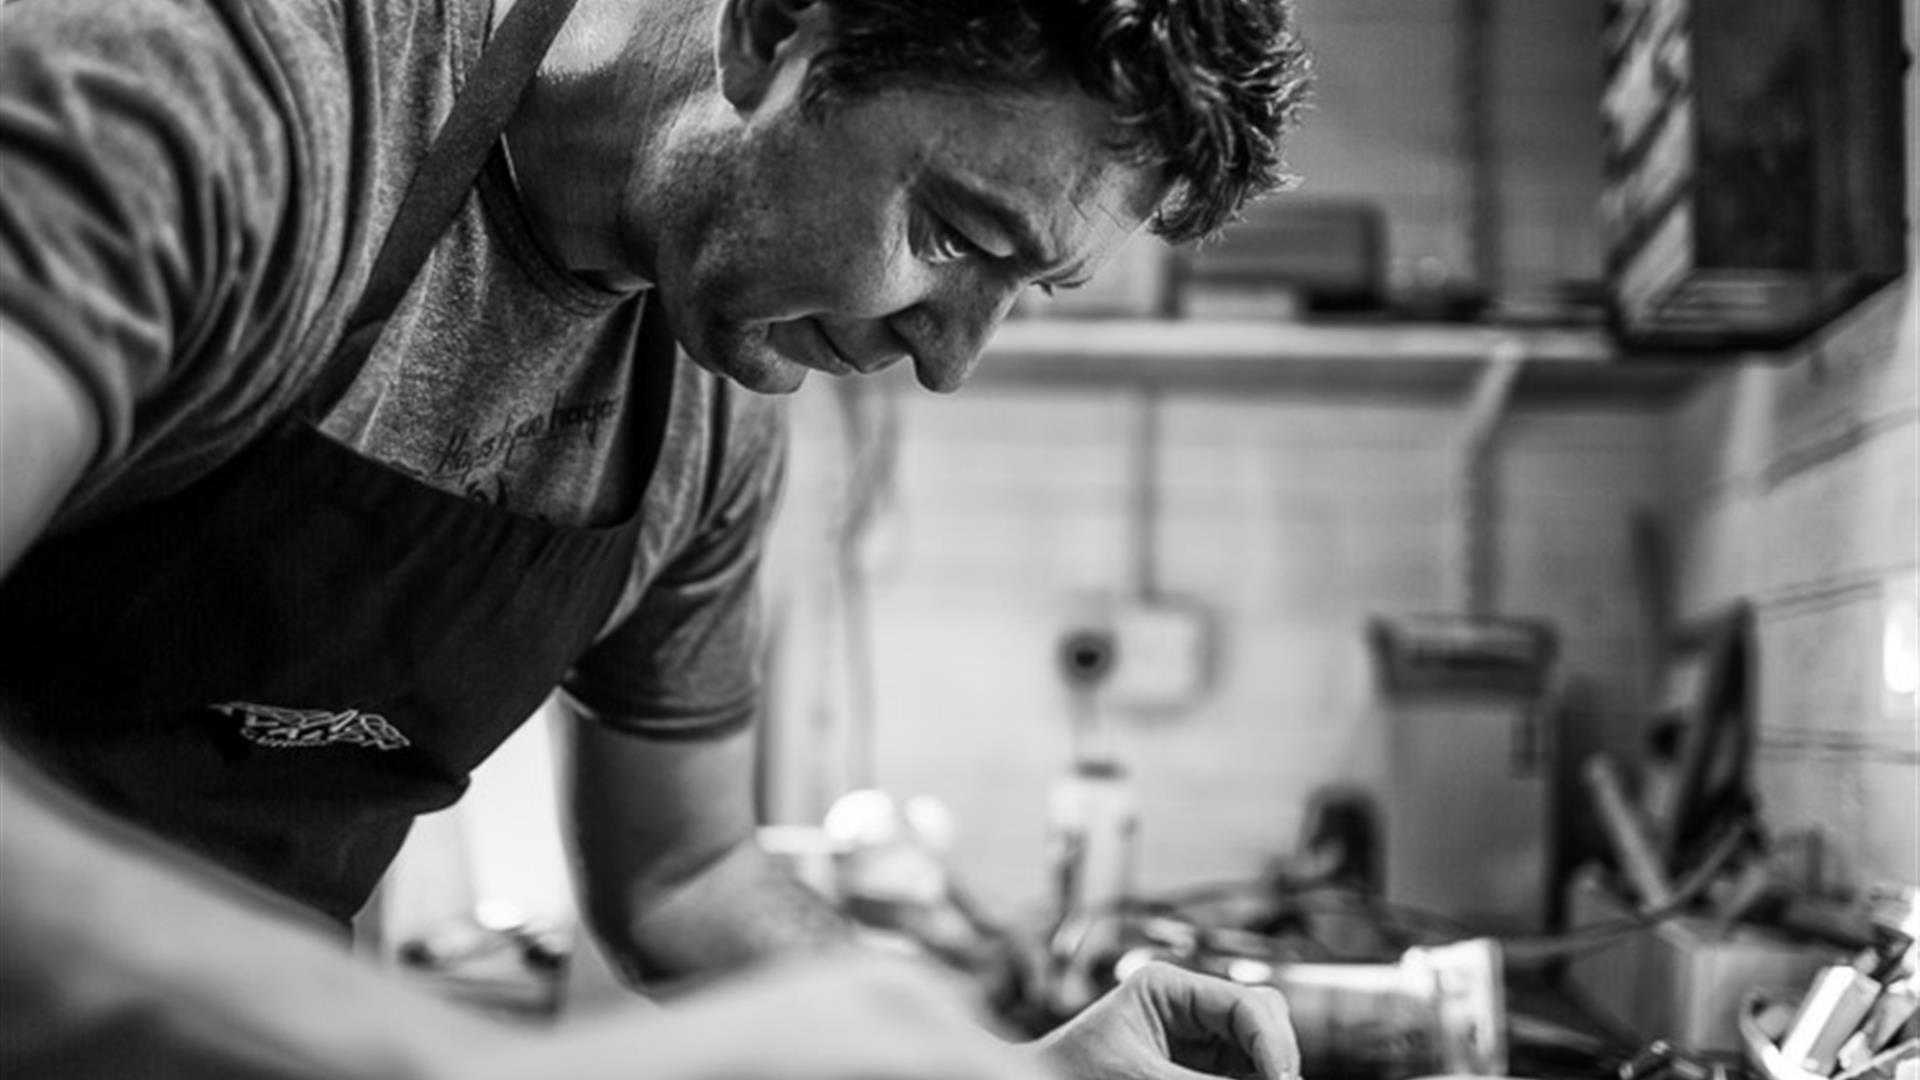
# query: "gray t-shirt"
x,y
194,191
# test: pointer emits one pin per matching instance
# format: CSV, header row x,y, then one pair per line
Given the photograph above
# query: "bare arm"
x,y
673,880
120,959
119,956
676,885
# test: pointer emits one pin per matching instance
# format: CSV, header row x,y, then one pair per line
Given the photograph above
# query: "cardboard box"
x,y
1682,979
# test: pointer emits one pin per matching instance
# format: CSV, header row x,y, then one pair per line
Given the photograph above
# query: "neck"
x,y
594,125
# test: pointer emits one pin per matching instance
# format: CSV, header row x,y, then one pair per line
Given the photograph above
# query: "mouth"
x,y
806,343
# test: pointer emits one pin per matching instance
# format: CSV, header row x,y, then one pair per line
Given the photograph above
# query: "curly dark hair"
x,y
1202,88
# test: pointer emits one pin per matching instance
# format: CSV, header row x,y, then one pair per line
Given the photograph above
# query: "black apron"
x,y
284,664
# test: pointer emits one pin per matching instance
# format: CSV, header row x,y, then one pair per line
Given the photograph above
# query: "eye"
x,y
1052,287
937,242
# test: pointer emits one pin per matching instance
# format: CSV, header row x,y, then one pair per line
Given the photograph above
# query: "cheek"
x,y
810,229
849,258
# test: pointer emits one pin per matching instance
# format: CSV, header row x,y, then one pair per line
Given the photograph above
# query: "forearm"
x,y
739,909
116,960
671,876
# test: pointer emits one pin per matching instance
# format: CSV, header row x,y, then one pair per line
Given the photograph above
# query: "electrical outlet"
x,y
1163,655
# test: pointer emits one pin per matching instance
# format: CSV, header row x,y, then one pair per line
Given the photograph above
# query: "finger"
x,y
1252,1018
1274,1048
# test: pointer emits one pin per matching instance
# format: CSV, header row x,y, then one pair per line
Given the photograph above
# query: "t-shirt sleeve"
x,y
686,663
143,172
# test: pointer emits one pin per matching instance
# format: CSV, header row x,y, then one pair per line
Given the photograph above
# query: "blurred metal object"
x,y
1891,1015
1626,833
1092,825
1650,1060
1771,1033
495,958
1835,1006
889,874
1439,1010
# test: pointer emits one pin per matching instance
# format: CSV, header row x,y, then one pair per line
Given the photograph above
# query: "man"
x,y
343,422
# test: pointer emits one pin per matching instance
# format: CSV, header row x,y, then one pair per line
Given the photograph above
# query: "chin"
x,y
780,378
735,349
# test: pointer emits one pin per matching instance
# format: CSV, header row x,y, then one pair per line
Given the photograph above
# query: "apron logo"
x,y
270,725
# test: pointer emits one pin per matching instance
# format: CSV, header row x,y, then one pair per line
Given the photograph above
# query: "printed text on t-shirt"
x,y
465,452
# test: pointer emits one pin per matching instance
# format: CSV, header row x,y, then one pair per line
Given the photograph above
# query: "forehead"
x,y
1050,153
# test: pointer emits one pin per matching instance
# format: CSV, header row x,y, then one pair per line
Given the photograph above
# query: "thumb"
x,y
1253,1019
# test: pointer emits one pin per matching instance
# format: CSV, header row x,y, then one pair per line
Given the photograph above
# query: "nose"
x,y
948,330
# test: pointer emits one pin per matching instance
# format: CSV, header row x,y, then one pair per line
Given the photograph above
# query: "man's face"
x,y
900,226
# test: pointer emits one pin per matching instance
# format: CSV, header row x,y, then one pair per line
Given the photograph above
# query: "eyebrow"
x,y
1031,256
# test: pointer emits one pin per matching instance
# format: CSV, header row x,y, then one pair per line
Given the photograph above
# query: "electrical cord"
x,y
1518,952
1543,949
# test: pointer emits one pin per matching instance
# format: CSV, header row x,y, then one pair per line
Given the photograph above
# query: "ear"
x,y
758,39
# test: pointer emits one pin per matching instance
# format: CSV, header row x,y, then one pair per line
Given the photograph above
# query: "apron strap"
x,y
439,187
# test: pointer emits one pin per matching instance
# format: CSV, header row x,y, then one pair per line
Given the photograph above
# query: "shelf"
x,y
1368,357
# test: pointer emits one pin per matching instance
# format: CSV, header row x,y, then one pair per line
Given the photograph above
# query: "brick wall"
x,y
1788,481
1387,125
1795,488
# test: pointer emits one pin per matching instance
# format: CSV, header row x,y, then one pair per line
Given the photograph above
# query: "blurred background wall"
x,y
988,524
933,551
1794,488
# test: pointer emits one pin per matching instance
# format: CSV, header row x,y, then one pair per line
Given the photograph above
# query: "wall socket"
x,y
1164,653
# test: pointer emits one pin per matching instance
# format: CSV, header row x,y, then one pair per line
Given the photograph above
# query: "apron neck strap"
x,y
500,79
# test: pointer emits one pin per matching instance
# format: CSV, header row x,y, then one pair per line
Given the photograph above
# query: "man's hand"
x,y
1167,1023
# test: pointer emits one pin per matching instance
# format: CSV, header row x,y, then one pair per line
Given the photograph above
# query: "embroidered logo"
x,y
270,725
